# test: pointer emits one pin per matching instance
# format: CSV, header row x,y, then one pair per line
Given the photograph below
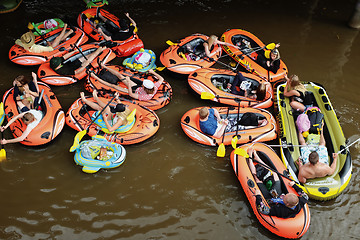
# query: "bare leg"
x,y
297,106
63,35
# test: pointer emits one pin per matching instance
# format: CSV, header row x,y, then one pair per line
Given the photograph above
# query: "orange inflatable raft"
x,y
161,98
49,127
146,124
213,83
46,74
20,56
188,55
267,132
124,48
294,227
247,57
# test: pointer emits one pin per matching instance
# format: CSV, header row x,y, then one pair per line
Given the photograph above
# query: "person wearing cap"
x,y
113,32
285,206
114,116
30,118
271,58
61,67
146,90
27,41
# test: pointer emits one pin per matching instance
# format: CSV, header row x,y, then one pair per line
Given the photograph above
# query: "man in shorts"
x,y
313,162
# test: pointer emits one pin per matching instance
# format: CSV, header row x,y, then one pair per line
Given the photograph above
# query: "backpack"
x,y
264,175
316,119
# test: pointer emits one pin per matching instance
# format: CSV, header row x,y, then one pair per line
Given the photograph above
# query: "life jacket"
x,y
316,119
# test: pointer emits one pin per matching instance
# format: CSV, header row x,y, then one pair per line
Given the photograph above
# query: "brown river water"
x,y
170,187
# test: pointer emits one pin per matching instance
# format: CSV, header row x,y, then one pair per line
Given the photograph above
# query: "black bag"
x,y
316,118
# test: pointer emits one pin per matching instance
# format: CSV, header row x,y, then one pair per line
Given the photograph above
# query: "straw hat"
x,y
28,39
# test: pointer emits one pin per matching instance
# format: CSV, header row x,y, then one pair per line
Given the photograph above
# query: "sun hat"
x,y
50,23
55,62
28,39
148,84
118,108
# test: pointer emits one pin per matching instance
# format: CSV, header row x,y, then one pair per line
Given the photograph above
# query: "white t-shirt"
x,y
38,116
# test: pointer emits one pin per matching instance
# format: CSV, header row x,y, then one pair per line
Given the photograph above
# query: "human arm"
x,y
288,92
207,50
131,20
157,76
18,139
333,165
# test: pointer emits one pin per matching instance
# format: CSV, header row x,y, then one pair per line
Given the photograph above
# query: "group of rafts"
x,y
144,123
205,81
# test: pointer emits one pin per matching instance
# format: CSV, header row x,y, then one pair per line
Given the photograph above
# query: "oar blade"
x,y
30,26
221,151
207,95
2,154
241,152
168,42
160,68
77,140
234,141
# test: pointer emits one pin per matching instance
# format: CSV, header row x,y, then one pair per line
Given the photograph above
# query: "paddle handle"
x,y
348,146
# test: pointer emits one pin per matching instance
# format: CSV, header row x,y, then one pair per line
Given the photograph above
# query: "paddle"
x,y
221,149
234,140
2,117
348,146
242,152
31,27
81,134
209,96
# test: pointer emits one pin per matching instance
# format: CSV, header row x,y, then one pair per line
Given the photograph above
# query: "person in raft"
x,y
27,41
141,90
114,116
313,161
286,206
267,181
211,123
61,67
30,118
245,88
300,99
26,92
113,32
271,58
210,44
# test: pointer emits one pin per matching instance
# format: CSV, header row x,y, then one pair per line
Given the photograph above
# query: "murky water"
x,y
170,187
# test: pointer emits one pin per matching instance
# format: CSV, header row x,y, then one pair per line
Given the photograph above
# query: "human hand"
x,y
335,156
3,141
2,128
127,14
277,45
291,183
34,76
